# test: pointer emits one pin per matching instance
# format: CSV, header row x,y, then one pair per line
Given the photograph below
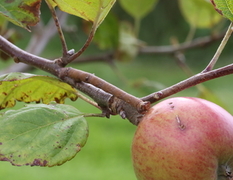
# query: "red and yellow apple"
x,y
184,138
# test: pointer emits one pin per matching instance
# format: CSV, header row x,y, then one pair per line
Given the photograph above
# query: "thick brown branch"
x,y
38,41
78,79
192,81
22,56
81,76
109,104
113,100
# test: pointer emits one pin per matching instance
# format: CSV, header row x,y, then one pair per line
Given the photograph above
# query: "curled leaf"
x,y
24,13
31,88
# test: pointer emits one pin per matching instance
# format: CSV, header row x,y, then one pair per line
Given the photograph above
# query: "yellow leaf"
x,y
199,13
90,10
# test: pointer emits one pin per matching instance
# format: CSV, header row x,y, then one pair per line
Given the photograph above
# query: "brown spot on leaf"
x,y
39,162
218,10
4,159
57,100
212,1
4,93
78,147
33,8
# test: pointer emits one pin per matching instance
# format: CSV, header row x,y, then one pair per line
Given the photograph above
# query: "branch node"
x,y
122,114
143,107
71,52
106,112
59,62
158,95
16,60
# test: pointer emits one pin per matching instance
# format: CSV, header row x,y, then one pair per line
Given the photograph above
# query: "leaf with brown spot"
x,y
42,135
224,7
31,88
90,10
24,13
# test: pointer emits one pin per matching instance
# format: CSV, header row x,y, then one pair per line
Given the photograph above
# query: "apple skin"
x,y
184,138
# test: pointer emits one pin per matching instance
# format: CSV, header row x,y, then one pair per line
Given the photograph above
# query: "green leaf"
x,y
107,35
3,24
90,10
24,13
31,88
199,13
42,135
224,7
138,9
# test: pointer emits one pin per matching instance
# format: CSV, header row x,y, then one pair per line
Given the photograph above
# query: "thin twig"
x,y
180,58
93,115
28,58
59,29
88,100
215,58
181,61
187,83
198,42
85,46
38,41
191,34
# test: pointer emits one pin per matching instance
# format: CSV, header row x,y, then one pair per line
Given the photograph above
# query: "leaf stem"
x,y
88,100
85,46
215,58
191,34
137,23
93,115
59,29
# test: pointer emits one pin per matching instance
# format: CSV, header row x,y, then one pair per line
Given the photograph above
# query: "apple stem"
x,y
222,45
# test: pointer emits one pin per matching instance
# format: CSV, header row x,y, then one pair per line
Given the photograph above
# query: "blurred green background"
x,y
107,154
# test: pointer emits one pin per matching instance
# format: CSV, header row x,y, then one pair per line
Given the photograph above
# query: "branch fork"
x,y
109,98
